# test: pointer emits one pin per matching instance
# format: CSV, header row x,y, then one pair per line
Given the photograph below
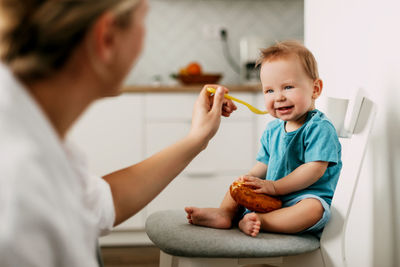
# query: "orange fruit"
x,y
193,68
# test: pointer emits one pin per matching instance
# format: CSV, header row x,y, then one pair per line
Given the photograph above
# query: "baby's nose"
x,y
280,96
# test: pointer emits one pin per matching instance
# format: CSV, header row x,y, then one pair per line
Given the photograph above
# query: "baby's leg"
x,y
294,219
214,217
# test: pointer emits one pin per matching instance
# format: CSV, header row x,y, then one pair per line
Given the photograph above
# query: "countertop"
x,y
186,88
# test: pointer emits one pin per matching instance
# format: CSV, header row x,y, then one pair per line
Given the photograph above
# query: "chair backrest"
x,y
354,144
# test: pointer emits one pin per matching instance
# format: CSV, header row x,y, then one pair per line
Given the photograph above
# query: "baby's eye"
x,y
287,87
268,91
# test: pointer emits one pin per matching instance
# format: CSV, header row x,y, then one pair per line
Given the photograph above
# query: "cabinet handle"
x,y
200,174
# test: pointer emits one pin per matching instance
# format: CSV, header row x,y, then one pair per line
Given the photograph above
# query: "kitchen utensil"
x,y
199,78
253,109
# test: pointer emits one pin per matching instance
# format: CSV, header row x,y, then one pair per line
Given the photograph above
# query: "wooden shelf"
x,y
182,89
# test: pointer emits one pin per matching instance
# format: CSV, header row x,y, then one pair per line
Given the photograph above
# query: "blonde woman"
x,y
57,57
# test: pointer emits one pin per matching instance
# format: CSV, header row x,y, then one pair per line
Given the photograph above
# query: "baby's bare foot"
x,y
250,224
211,217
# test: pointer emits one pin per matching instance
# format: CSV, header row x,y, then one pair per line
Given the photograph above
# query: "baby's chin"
x,y
277,116
274,115
285,118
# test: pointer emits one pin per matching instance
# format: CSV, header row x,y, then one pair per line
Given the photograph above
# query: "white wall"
x,y
357,44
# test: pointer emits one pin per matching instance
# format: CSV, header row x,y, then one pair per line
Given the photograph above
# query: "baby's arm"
x,y
302,177
259,170
255,177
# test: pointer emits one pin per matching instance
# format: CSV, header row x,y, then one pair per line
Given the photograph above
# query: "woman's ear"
x,y
104,38
101,45
317,88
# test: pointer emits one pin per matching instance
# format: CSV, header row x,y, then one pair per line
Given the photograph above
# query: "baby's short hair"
x,y
287,48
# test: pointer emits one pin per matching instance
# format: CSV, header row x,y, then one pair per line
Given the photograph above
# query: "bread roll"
x,y
244,195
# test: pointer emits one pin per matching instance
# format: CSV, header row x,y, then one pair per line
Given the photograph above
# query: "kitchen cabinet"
x,y
120,131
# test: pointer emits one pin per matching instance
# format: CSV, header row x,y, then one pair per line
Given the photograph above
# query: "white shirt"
x,y
51,209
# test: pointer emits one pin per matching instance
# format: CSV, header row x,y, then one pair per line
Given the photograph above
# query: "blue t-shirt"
x,y
315,140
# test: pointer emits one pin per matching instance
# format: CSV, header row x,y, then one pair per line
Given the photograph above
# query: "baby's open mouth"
x,y
284,108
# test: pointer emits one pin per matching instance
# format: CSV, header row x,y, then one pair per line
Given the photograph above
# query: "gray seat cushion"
x,y
170,231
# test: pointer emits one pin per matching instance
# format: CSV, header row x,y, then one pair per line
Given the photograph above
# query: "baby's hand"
x,y
260,185
240,179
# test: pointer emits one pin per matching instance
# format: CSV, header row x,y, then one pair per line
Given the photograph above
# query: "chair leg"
x,y
207,262
167,260
270,261
310,259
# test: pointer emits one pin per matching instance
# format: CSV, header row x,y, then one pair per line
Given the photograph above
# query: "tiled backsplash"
x,y
181,31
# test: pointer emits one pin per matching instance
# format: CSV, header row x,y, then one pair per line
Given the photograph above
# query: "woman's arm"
x,y
135,186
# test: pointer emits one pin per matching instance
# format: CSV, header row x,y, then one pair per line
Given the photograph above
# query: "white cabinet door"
x,y
231,150
169,106
110,133
159,135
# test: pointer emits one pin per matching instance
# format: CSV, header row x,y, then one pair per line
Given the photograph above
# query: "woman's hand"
x,y
259,185
207,113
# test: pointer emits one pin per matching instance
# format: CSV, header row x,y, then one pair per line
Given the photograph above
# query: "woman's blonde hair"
x,y
38,36
288,48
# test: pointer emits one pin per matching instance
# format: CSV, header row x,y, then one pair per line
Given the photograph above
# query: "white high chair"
x,y
184,245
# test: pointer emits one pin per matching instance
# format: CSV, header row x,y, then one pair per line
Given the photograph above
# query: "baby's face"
x,y
288,91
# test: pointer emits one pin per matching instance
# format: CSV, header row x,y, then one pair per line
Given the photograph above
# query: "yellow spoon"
x,y
255,110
